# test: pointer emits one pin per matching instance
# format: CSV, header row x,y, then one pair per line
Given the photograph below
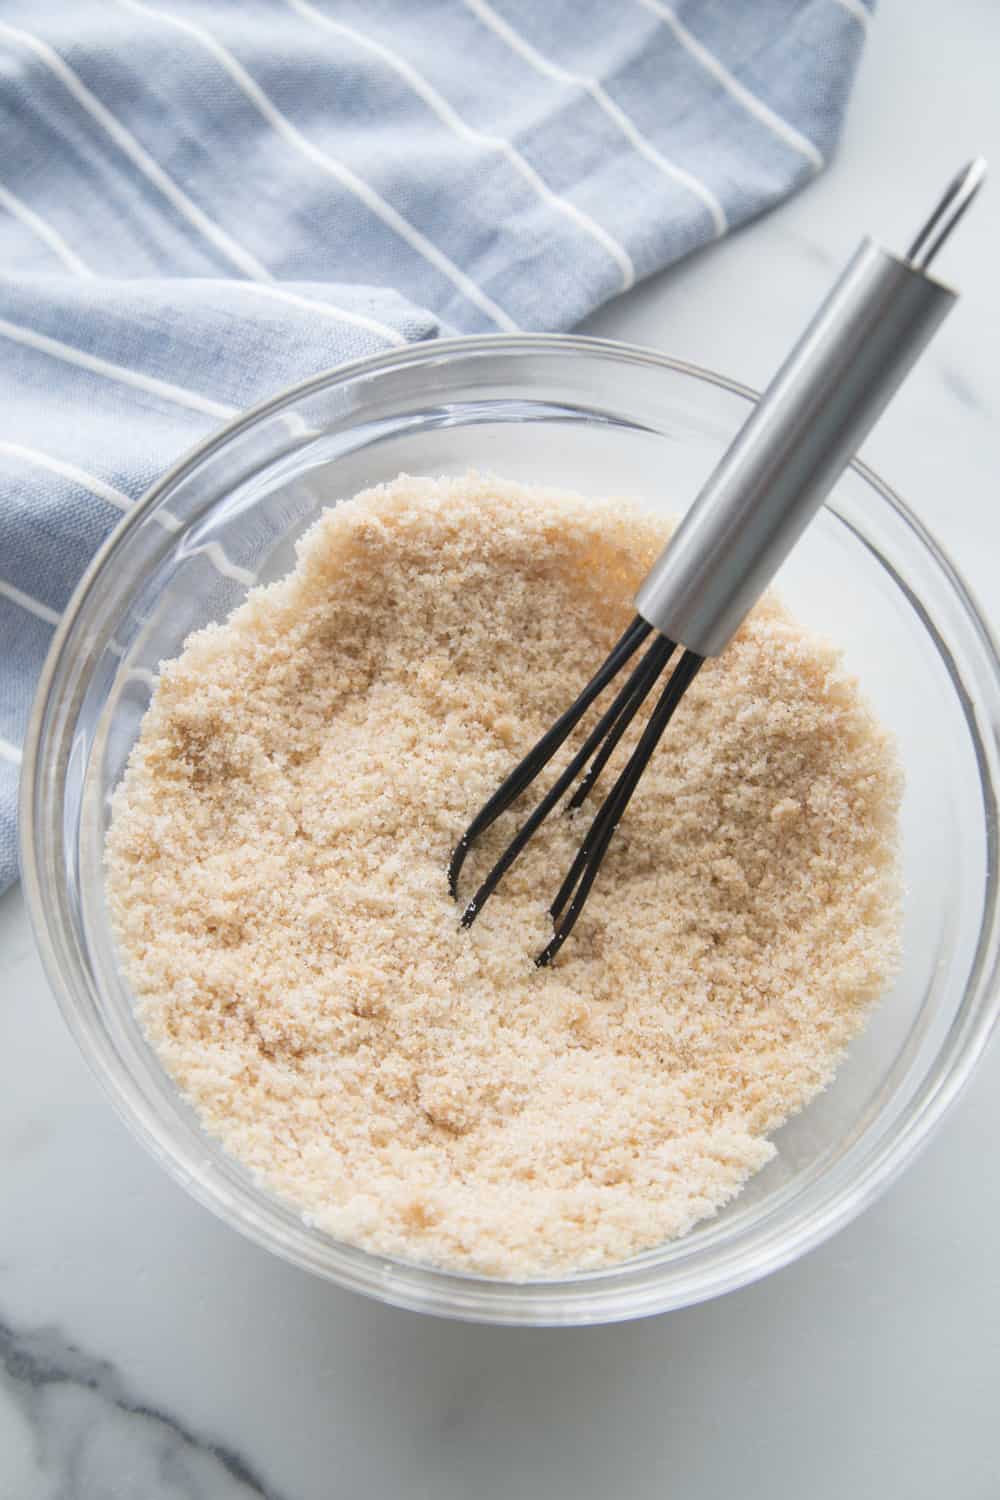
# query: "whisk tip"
x,y
455,864
550,950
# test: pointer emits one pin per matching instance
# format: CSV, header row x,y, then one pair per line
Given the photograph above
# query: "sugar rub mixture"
x,y
276,874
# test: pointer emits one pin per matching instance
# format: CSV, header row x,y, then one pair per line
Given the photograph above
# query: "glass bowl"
x,y
597,417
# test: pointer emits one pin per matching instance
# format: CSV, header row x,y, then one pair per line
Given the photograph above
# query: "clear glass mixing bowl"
x,y
598,417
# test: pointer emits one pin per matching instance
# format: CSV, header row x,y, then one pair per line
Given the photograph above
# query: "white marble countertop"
x,y
149,1353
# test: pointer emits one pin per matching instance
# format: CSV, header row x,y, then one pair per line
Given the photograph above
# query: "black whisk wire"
x,y
638,692
583,871
539,756
613,723
597,748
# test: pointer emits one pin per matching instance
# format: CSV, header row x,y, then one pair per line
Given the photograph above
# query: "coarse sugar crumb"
x,y
276,876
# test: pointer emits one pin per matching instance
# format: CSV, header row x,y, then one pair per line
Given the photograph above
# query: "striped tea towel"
x,y
202,201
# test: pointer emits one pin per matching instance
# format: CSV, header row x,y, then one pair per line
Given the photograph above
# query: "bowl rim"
x,y
427,1288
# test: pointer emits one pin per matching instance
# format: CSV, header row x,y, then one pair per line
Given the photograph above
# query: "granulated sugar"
x,y
276,873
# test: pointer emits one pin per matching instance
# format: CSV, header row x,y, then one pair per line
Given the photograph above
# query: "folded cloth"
x,y
202,202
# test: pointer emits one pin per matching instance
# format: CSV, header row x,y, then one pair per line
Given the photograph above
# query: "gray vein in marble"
x,y
955,382
95,1441
813,250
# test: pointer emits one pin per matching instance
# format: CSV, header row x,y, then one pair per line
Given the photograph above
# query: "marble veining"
x,y
92,1436
965,392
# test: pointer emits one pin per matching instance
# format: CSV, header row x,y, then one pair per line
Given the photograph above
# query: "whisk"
x,y
813,416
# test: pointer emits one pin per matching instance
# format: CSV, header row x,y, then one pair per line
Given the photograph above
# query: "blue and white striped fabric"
x,y
202,201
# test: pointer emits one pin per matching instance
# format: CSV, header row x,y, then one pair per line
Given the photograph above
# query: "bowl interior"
x,y
598,419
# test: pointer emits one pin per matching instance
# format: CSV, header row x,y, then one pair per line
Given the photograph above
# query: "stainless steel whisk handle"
x,y
802,434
